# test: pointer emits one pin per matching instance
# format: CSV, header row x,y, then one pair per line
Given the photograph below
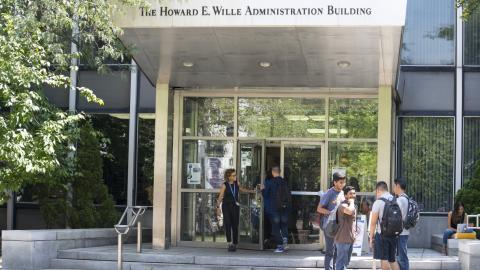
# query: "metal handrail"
x,y
123,229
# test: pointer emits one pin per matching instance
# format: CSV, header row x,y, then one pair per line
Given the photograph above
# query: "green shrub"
x,y
88,203
469,194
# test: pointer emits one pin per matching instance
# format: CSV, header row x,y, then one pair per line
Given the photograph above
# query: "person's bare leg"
x,y
385,265
394,266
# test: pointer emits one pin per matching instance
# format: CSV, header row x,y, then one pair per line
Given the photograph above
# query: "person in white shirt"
x,y
399,188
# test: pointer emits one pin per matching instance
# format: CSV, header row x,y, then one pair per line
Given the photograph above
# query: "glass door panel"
x,y
250,173
302,168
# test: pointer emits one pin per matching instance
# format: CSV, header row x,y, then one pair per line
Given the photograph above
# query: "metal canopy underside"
x,y
226,57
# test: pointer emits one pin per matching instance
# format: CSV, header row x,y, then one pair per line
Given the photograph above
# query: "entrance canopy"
x,y
267,43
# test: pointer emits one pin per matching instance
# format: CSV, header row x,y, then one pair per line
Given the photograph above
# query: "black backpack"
x,y
283,198
413,214
392,221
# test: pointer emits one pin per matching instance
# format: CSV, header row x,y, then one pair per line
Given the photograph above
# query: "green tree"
x,y
469,7
470,193
35,40
91,204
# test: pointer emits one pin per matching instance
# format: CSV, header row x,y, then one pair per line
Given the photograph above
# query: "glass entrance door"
x,y
251,173
301,165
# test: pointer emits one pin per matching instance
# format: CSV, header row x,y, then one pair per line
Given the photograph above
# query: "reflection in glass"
x,y
198,218
146,146
303,226
114,147
360,160
205,116
204,163
302,165
429,33
250,214
472,40
250,165
471,147
427,161
281,117
353,118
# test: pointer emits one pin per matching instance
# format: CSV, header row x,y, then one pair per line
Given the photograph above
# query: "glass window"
x,y
114,147
471,146
360,161
204,116
429,33
281,117
198,218
204,163
427,161
353,118
146,147
472,40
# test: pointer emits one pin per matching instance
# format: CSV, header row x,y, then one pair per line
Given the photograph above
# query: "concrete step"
x,y
219,259
66,264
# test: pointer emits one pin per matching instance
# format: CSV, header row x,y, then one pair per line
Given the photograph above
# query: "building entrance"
x,y
301,165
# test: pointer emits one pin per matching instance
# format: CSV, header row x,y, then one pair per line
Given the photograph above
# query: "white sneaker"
x,y
285,243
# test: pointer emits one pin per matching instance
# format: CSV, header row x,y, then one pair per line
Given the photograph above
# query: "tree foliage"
x,y
91,205
469,7
470,193
35,40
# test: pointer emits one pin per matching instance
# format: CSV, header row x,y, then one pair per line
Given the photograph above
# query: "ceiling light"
x,y
316,130
296,117
188,64
343,64
265,64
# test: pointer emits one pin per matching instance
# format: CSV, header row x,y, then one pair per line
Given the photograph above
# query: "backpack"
x,y
283,198
392,220
413,213
331,227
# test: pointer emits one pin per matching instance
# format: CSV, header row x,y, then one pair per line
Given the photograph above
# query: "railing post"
x,y
119,255
139,237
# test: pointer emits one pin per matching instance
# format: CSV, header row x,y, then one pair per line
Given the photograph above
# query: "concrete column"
x,y
162,183
384,133
132,136
459,102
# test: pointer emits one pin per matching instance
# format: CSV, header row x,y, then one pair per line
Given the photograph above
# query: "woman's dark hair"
x,y
456,208
227,173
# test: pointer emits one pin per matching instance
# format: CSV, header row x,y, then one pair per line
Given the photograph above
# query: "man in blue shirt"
x,y
328,202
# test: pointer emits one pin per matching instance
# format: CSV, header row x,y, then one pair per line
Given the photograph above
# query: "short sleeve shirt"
x,y
403,203
378,207
347,228
330,200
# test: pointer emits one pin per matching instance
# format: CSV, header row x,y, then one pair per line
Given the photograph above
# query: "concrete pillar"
x,y
385,103
162,175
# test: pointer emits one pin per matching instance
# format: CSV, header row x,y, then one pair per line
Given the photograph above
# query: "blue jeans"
x,y
279,226
402,256
329,253
447,234
344,254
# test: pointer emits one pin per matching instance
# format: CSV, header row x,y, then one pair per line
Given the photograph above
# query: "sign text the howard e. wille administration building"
x,y
248,13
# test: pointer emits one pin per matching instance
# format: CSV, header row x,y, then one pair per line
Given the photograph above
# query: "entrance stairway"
x,y
179,258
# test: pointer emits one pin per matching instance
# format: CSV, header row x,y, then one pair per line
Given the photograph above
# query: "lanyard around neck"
x,y
233,192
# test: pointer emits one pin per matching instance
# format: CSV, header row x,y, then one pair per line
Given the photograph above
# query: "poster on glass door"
x,y
214,169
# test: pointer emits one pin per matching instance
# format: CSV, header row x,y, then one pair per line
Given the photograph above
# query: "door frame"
x,y
323,182
261,142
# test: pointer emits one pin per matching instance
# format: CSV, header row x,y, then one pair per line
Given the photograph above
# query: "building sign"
x,y
238,13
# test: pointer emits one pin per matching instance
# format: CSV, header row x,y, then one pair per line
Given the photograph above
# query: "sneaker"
x,y
234,248
230,247
285,243
279,249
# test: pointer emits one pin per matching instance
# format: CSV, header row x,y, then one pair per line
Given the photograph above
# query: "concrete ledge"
x,y
28,250
469,254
